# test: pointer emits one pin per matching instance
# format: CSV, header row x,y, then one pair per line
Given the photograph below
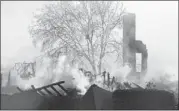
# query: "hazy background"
x,y
156,26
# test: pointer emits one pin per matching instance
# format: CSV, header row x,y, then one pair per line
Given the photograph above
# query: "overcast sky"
x,y
156,26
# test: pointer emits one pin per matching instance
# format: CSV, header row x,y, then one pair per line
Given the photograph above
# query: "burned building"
x,y
56,97
131,46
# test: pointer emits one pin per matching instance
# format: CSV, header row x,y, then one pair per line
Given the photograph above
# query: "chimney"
x,y
131,46
129,28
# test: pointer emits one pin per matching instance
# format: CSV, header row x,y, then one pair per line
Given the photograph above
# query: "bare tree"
x,y
81,29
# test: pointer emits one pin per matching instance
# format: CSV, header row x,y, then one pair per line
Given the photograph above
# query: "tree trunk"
x,y
93,68
100,63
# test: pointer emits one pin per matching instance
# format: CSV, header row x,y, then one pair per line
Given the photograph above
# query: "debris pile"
x,y
50,98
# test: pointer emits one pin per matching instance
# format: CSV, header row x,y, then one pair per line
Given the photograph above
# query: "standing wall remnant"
x,y
131,46
128,37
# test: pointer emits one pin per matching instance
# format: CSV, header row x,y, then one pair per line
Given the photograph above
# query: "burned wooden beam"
x,y
33,87
108,79
138,86
51,85
128,85
50,93
63,89
61,82
43,94
104,75
19,89
113,80
56,91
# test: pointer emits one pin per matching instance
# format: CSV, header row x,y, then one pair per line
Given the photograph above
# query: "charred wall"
x,y
131,46
128,37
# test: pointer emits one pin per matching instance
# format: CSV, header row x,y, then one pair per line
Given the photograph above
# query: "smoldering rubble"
x,y
79,88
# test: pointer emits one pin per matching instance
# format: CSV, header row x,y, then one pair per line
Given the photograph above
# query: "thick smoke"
x,y
47,72
121,73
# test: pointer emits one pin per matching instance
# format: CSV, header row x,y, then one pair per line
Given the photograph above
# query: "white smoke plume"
x,y
121,73
47,73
